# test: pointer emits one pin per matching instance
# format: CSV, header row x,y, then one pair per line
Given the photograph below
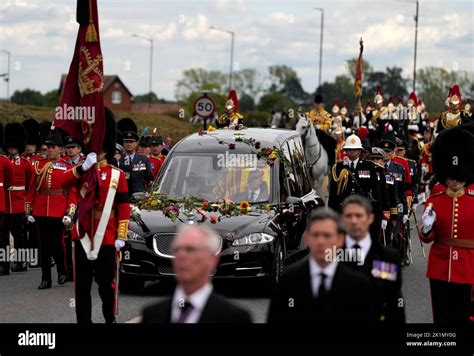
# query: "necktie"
x,y
386,166
186,309
352,166
322,288
356,251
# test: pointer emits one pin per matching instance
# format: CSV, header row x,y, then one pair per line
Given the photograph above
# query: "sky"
x,y
40,34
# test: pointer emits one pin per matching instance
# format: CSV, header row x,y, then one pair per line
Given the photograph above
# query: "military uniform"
x,y
321,118
50,203
155,164
231,117
137,172
104,267
382,265
448,224
362,180
398,207
455,115
6,172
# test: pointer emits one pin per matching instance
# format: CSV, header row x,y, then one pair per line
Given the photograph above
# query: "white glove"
x,y
405,219
384,224
119,244
67,220
318,126
428,218
30,219
91,159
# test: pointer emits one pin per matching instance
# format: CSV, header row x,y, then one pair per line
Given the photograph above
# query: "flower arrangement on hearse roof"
x,y
197,209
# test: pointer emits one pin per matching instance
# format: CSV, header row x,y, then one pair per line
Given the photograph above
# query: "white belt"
x,y
13,188
1,184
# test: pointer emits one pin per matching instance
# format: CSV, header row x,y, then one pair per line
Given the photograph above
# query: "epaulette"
x,y
470,192
437,193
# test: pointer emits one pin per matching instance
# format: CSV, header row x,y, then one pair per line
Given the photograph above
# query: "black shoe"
x,y
44,285
19,267
61,279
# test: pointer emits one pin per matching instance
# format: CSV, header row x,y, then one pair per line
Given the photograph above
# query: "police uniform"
x,y
50,204
22,179
450,263
349,178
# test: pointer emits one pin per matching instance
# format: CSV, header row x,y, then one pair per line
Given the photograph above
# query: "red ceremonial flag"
x,y
81,111
358,76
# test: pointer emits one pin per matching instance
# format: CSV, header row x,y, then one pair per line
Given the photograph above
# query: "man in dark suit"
x,y
319,288
196,250
257,189
381,264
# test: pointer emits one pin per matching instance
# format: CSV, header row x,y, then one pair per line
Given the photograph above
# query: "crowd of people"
x,y
384,161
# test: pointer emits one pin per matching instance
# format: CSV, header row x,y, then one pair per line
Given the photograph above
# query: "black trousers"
x,y
68,244
32,237
50,232
3,243
14,224
451,302
103,269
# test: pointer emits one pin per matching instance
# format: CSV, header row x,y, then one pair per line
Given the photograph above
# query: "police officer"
x,y
136,167
22,182
448,224
52,208
354,175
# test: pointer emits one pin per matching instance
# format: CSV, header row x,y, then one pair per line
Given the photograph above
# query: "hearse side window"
x,y
290,184
302,172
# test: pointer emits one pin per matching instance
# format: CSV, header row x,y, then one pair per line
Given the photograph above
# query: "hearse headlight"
x,y
253,239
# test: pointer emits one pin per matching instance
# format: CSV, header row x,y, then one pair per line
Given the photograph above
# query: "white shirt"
x,y
355,162
198,300
255,195
315,270
364,244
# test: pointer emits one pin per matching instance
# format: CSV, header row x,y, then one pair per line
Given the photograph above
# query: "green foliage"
x,y
144,98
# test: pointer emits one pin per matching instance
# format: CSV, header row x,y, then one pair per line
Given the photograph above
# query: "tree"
x,y
342,89
27,97
392,82
199,80
434,84
275,101
51,98
246,103
249,82
144,98
284,80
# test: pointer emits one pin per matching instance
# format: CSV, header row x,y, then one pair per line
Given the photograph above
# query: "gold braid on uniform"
x,y
426,150
341,180
451,123
374,118
41,173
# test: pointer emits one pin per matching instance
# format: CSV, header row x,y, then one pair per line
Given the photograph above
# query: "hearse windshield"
x,y
216,176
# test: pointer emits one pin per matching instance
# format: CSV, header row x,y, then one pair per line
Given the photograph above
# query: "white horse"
x,y
315,154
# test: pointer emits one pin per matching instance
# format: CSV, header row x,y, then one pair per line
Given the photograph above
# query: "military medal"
x,y
104,176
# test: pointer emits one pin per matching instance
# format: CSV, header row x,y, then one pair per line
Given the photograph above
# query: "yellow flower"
x,y
273,155
211,128
244,206
154,202
267,207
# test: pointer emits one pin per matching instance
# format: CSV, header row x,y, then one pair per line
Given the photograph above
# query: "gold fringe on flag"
x,y
91,33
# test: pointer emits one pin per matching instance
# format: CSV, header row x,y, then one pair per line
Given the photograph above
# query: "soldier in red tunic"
x,y
448,223
96,255
6,172
22,181
156,159
53,207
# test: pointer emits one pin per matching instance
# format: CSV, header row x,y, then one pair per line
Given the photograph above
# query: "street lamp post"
x,y
151,66
7,75
232,34
320,44
416,43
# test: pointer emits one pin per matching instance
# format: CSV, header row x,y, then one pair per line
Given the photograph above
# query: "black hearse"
x,y
256,245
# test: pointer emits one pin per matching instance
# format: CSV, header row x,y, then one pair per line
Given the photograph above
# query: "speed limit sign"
x,y
204,106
